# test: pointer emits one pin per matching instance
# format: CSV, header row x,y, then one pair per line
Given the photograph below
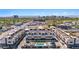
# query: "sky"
x,y
38,12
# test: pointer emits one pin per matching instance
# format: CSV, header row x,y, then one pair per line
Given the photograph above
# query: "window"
x,y
45,33
71,42
42,33
29,33
48,36
27,42
43,29
50,33
39,33
35,33
30,29
9,41
26,34
39,29
53,33
32,34
9,37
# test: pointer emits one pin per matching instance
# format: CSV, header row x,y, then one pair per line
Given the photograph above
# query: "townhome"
x,y
11,37
40,37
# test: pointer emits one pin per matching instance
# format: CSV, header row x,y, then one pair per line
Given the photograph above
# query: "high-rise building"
x,y
15,16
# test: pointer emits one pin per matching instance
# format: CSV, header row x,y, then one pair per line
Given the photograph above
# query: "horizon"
x,y
39,12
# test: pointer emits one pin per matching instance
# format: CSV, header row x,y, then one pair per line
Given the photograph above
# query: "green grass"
x,y
54,22
61,21
5,21
77,26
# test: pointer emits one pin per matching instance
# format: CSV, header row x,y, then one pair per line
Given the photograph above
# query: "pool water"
x,y
40,44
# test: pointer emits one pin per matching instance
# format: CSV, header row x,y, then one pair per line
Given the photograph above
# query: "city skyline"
x,y
39,12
